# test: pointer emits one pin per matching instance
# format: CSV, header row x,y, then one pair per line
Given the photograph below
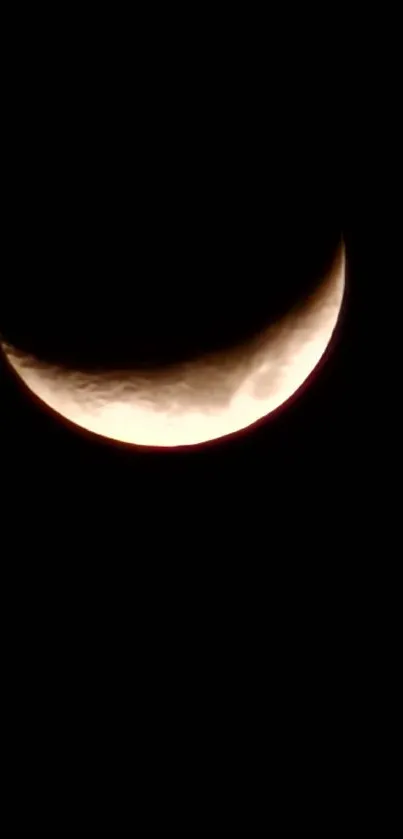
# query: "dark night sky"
x,y
156,213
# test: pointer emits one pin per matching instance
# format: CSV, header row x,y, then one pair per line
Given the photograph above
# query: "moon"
x,y
205,399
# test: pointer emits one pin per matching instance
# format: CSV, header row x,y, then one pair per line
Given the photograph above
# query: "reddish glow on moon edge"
x,y
196,401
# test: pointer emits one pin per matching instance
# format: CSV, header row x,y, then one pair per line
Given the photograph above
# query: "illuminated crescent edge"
x,y
193,402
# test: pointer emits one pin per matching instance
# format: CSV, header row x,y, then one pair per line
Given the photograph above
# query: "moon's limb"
x,y
196,401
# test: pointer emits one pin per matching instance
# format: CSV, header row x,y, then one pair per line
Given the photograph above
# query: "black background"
x,y
164,202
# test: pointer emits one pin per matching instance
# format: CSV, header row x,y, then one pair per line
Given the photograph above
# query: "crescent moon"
x,y
197,401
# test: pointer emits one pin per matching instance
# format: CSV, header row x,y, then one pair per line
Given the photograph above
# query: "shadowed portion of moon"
x,y
201,398
167,293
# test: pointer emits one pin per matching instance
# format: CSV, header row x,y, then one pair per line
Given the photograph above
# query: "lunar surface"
x,y
193,402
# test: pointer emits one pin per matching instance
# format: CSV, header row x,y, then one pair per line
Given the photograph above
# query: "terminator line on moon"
x,y
193,402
